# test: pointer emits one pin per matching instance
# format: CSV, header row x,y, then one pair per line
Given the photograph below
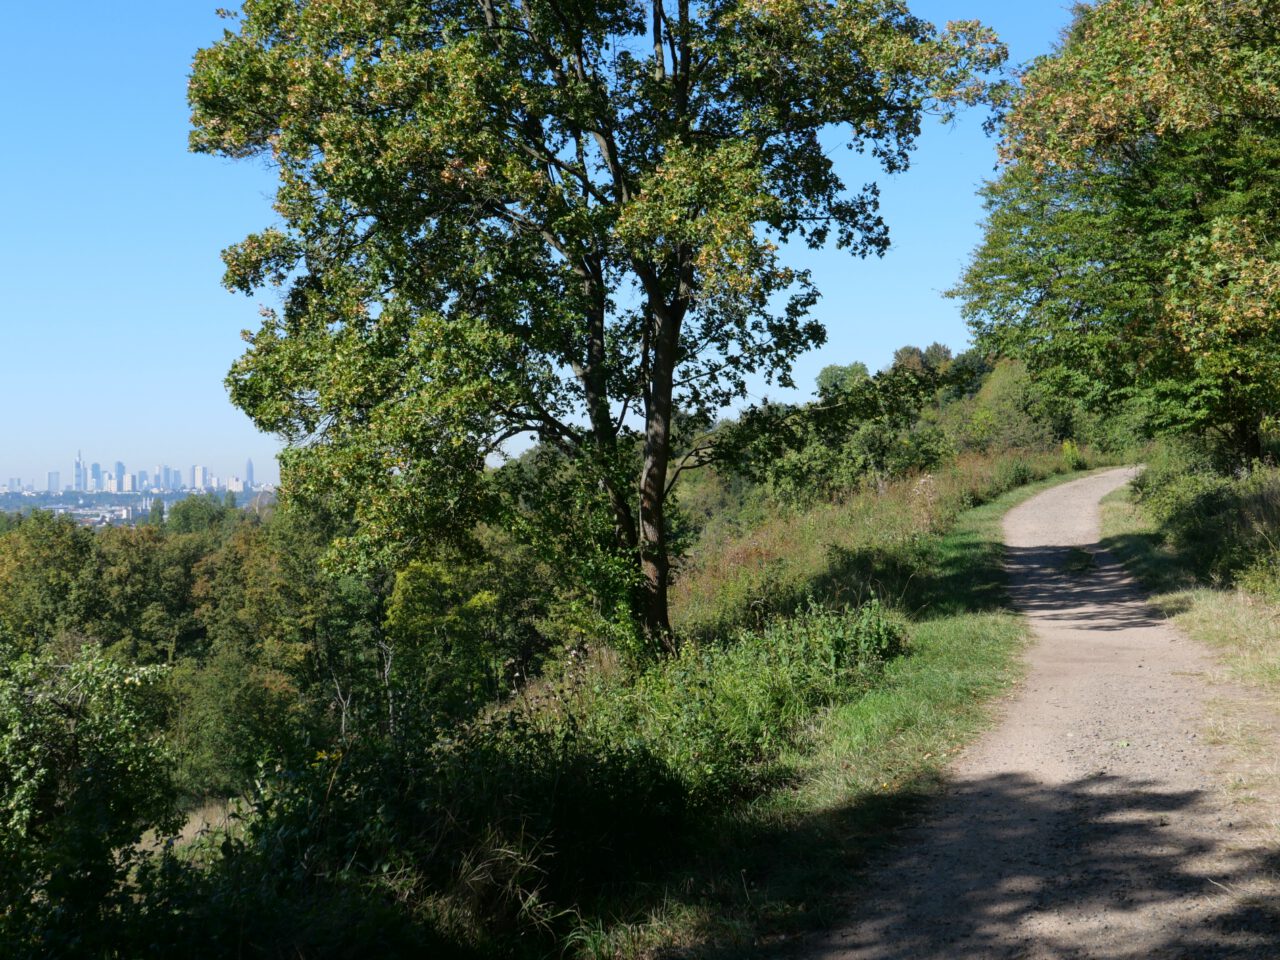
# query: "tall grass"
x,y
871,545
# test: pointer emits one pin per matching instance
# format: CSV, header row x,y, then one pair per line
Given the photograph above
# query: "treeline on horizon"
x,y
550,707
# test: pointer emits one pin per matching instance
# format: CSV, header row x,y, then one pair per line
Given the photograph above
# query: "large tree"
x,y
1131,248
549,217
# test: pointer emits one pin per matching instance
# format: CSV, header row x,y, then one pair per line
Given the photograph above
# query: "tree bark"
x,y
1249,440
655,564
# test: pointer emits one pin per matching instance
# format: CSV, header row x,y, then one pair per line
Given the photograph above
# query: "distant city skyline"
x,y
114,324
89,475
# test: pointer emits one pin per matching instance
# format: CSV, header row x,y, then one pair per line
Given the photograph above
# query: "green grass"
x,y
1241,626
764,872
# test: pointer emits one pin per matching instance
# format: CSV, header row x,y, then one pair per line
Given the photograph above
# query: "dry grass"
x,y
874,543
1242,627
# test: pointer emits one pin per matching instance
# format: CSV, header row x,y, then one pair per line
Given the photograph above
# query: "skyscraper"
x,y
119,476
80,480
248,474
55,481
95,477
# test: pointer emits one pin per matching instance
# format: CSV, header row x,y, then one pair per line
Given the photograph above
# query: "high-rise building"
x,y
55,481
95,477
80,480
119,476
200,478
130,484
248,474
144,480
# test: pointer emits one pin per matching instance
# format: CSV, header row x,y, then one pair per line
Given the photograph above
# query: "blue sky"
x,y
115,334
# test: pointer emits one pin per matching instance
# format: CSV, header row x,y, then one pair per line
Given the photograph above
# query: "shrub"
x,y
1225,526
1072,457
83,775
716,714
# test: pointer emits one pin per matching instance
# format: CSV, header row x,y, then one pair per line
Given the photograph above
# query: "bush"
x,y
83,775
499,831
716,714
1072,457
1226,527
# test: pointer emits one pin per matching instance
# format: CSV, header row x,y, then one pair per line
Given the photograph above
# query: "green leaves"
x,y
83,773
549,220
1129,249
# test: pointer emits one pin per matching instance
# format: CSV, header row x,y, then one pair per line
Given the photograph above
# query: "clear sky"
x,y
115,334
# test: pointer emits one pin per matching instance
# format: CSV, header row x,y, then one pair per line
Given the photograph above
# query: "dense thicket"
x,y
1130,254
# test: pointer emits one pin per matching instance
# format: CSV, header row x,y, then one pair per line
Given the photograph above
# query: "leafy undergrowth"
x,y
763,872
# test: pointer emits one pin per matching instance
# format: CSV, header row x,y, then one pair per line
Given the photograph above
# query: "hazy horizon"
x,y
117,334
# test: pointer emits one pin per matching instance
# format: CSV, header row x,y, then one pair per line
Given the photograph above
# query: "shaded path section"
x,y
1090,822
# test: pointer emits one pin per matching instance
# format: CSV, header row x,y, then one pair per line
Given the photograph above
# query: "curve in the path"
x,y
1090,823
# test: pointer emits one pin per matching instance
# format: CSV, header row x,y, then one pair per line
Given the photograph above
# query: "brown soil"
x,y
1096,819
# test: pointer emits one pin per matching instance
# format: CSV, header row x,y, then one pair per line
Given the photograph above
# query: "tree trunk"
x,y
1249,440
655,564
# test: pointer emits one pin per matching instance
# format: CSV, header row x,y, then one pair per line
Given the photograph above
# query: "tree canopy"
x,y
1130,247
548,218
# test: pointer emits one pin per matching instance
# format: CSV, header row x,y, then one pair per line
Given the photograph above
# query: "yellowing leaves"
x,y
1147,66
708,200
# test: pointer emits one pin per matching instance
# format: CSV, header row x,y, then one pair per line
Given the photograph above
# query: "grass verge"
x,y
789,862
1241,627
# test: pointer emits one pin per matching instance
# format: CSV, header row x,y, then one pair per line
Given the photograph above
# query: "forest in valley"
x,y
557,641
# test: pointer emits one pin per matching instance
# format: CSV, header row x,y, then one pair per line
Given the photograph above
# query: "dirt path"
x,y
1093,821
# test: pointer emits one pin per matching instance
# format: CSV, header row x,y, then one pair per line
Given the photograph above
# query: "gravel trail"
x,y
1093,821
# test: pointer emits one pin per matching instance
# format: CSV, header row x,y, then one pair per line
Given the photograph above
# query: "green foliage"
x,y
84,773
41,559
447,627
1072,456
860,429
1130,253
199,514
502,221
1223,527
1010,410
716,715
137,594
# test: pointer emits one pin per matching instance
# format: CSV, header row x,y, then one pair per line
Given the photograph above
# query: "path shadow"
x,y
1044,585
1005,850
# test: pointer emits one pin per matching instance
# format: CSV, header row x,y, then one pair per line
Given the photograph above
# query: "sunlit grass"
x,y
773,869
1241,626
